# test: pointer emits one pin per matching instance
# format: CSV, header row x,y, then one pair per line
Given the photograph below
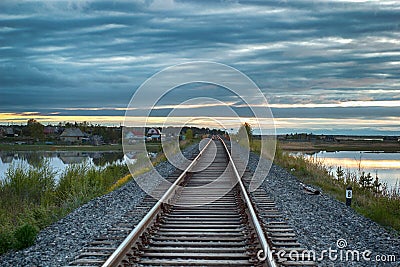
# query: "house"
x,y
153,131
133,136
129,135
327,138
49,130
72,135
96,140
9,132
155,134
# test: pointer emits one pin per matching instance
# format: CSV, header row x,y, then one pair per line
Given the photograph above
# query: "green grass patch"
x,y
31,199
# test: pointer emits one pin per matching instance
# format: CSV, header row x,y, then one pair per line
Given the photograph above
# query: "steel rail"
x,y
128,242
269,259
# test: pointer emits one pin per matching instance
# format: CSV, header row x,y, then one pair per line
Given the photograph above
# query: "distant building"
x,y
133,136
72,135
153,131
154,134
49,130
96,140
327,138
129,135
9,132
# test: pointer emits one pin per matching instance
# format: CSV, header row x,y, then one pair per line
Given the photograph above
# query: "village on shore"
x,y
79,134
68,134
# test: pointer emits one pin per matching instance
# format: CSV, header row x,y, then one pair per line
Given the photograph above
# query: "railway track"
x,y
202,225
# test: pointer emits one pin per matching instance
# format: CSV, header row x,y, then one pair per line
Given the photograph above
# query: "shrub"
x,y
25,236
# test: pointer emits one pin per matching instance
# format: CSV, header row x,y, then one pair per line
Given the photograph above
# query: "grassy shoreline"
x,y
376,203
31,199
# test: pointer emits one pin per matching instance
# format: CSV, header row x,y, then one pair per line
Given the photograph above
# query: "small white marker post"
x,y
349,195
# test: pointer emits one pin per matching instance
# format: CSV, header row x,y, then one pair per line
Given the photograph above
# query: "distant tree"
x,y
245,131
84,126
377,185
340,173
68,125
35,129
109,134
365,180
189,134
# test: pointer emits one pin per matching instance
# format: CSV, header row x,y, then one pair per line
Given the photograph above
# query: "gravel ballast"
x,y
320,221
61,242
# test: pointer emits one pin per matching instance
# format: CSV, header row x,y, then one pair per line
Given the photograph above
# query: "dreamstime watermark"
x,y
339,254
229,99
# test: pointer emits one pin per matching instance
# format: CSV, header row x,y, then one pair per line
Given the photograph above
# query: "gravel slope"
x,y
59,243
321,220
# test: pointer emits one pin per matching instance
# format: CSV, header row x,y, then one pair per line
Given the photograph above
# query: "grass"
x,y
379,204
31,198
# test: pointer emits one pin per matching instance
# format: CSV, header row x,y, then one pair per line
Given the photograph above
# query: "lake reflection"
x,y
386,165
58,160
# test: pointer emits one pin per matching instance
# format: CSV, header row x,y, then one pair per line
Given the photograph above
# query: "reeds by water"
x,y
31,198
372,200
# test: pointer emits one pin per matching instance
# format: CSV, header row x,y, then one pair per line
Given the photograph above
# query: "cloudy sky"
x,y
324,66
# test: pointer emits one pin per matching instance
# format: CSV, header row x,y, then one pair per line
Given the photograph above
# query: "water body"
x,y
386,165
58,160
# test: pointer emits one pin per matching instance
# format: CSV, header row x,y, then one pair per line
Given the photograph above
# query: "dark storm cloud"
x,y
60,54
